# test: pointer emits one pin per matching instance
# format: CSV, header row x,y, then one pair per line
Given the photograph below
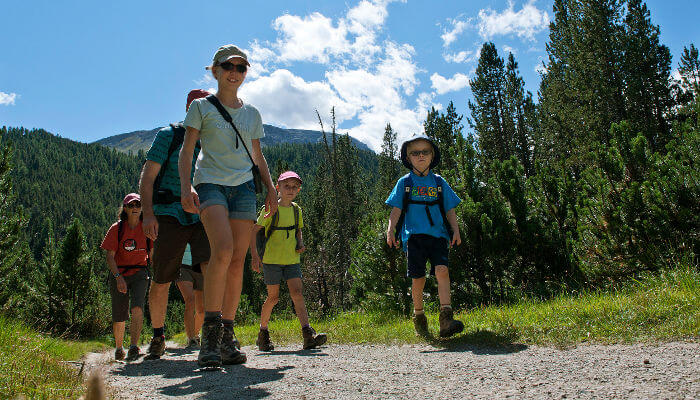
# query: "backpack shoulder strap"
x,y
440,181
296,215
120,231
273,224
175,142
407,184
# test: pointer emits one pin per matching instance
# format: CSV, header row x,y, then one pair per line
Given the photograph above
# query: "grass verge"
x,y
35,366
656,308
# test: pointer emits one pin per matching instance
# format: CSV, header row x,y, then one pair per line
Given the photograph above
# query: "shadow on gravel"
x,y
302,353
233,381
478,342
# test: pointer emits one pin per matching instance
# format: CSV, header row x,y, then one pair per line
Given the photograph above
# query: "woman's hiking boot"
x,y
448,325
210,353
311,338
156,349
193,343
134,353
230,348
420,322
119,354
264,343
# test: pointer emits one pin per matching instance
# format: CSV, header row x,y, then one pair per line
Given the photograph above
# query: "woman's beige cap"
x,y
226,53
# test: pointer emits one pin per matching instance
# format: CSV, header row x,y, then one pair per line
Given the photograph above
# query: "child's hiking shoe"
x,y
311,338
119,354
193,344
420,322
156,349
230,348
264,343
210,353
134,353
448,325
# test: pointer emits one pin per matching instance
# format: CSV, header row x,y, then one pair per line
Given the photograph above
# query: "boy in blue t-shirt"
x,y
423,217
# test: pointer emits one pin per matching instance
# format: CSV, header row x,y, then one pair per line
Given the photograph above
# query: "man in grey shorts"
x,y
191,285
167,224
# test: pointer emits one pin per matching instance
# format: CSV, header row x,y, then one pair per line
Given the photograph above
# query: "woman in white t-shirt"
x,y
224,196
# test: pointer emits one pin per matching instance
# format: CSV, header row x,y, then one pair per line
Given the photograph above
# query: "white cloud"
x,y
444,85
508,49
450,36
524,23
460,57
287,100
7,99
311,38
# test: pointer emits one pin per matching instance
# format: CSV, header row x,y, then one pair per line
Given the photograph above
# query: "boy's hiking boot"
x,y
156,349
311,338
230,348
134,353
210,353
119,354
420,322
264,343
448,325
193,344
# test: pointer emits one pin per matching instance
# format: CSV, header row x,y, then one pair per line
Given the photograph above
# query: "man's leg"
x,y
188,316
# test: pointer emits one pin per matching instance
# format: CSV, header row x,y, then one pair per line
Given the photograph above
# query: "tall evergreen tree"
x,y
488,111
75,271
647,68
517,109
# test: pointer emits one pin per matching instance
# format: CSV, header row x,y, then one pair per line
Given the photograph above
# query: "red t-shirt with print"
x,y
131,250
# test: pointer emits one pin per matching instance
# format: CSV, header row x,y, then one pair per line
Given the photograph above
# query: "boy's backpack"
x,y
120,230
408,184
166,196
263,235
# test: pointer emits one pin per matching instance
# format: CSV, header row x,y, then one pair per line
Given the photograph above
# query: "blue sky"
x,y
88,70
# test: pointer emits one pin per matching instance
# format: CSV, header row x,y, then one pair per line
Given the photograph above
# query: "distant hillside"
x,y
141,140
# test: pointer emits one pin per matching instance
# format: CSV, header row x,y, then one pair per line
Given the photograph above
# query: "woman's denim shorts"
x,y
238,200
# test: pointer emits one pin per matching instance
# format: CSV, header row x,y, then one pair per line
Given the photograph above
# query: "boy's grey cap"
x,y
227,52
404,151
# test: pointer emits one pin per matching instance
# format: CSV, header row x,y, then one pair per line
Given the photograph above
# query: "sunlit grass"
x,y
37,367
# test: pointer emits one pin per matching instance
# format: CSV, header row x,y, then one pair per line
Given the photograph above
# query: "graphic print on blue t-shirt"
x,y
423,188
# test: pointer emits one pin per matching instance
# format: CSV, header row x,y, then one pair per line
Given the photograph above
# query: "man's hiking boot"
x,y
448,325
119,354
156,349
420,322
311,338
264,343
134,353
193,344
230,348
210,353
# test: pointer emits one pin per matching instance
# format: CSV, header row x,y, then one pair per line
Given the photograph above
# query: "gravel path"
x,y
643,371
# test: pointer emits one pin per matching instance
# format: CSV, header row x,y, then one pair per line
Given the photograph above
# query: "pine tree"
x,y
488,119
517,109
689,68
647,68
74,271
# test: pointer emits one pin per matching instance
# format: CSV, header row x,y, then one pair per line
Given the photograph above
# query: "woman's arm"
x,y
188,196
259,160
112,263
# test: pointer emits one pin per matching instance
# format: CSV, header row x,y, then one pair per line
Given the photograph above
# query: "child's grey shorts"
x,y
274,273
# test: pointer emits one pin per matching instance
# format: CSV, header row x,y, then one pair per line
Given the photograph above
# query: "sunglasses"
x,y
134,204
229,66
416,153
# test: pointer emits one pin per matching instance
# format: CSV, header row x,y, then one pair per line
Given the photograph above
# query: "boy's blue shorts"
x,y
238,200
421,248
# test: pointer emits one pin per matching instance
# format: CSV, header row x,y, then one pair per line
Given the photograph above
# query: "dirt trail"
x,y
644,371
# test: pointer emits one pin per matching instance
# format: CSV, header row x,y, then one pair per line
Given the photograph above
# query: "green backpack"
x,y
263,235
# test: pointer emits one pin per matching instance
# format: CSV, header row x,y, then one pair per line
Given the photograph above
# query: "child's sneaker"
x,y
210,354
448,325
311,338
230,348
119,354
420,323
156,349
134,353
264,343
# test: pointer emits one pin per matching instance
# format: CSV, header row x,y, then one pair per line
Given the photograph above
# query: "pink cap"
x,y
131,197
194,95
288,175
